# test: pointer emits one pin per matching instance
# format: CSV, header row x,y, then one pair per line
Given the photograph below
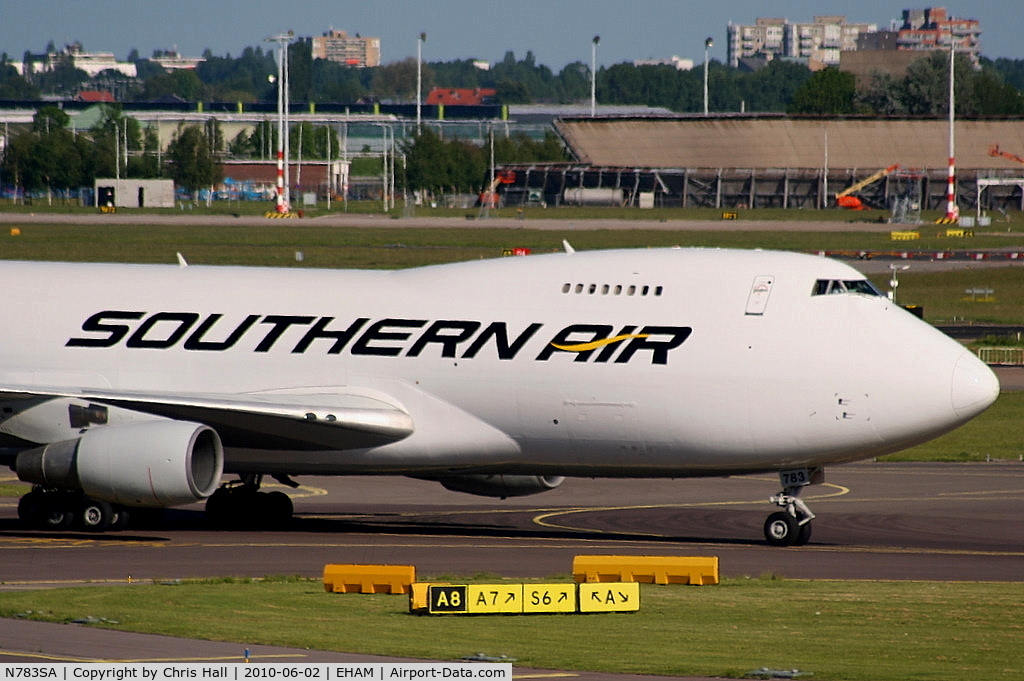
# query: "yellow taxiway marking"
x,y
542,519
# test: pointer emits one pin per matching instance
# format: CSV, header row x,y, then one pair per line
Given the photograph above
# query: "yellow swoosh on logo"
x,y
593,345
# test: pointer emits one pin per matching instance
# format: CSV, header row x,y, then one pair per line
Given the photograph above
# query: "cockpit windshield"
x,y
824,287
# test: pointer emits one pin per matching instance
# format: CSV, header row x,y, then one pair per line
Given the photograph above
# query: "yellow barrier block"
x,y
419,595
369,579
959,233
904,235
618,597
697,570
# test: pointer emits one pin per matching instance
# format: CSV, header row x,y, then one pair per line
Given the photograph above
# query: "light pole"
x,y
282,40
952,211
593,75
419,78
708,42
894,280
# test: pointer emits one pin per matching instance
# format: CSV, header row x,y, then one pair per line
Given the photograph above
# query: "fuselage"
x,y
667,362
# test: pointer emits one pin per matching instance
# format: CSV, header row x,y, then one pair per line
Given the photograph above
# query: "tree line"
x,y
47,155
781,86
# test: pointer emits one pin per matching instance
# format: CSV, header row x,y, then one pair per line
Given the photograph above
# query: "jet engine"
x,y
148,464
501,485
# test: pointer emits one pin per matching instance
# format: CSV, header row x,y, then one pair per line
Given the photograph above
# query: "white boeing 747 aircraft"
x,y
133,386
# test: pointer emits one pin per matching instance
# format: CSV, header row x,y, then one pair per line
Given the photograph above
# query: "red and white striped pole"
x,y
282,40
281,205
952,211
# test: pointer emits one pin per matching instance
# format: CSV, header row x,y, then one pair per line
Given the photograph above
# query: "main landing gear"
x,y
241,505
792,525
62,510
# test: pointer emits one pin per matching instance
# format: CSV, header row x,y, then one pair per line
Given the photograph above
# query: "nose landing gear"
x,y
792,525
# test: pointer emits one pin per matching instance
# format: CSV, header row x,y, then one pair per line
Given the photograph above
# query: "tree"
x,y
397,81
925,89
334,82
881,96
438,166
574,82
192,162
12,85
993,97
520,148
829,91
47,156
115,138
300,71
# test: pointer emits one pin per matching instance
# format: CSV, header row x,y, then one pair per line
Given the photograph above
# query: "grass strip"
x,y
838,630
942,295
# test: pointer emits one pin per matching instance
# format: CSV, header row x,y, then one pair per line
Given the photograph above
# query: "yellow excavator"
x,y
846,199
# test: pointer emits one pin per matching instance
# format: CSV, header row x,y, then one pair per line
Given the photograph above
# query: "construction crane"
x,y
994,150
846,199
489,197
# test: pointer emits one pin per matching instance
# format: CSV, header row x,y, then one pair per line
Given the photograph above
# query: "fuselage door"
x,y
761,289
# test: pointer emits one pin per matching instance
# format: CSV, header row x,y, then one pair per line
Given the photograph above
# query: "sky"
x,y
558,32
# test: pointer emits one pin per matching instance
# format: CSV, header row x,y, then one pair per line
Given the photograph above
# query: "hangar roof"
x,y
738,141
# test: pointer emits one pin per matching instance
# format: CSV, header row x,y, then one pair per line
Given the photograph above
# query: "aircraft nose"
x,y
974,387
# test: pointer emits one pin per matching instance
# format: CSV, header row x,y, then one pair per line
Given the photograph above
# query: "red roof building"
x,y
461,96
95,96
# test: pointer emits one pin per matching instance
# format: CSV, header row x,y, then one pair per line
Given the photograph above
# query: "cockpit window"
x,y
824,287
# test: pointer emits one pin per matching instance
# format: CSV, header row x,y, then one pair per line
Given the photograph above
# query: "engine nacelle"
x,y
501,485
148,463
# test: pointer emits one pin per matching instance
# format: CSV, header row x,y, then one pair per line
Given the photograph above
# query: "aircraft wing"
x,y
301,421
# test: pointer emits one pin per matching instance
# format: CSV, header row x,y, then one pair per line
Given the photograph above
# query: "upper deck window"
x,y
824,287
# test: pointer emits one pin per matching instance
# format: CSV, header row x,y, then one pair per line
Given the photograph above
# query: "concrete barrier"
x,y
369,579
697,570
904,235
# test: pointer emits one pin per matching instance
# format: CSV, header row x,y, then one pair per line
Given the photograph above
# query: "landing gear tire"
x,y
47,510
121,519
60,510
277,509
781,529
95,516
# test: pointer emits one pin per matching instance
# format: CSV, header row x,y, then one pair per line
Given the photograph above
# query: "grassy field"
x,y
875,631
275,243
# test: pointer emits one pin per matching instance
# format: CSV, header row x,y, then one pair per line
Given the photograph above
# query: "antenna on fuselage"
x,y
181,260
568,247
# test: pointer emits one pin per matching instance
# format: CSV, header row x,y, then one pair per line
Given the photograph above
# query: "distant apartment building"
x,y
893,51
171,60
818,42
73,55
821,41
933,28
678,63
339,46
